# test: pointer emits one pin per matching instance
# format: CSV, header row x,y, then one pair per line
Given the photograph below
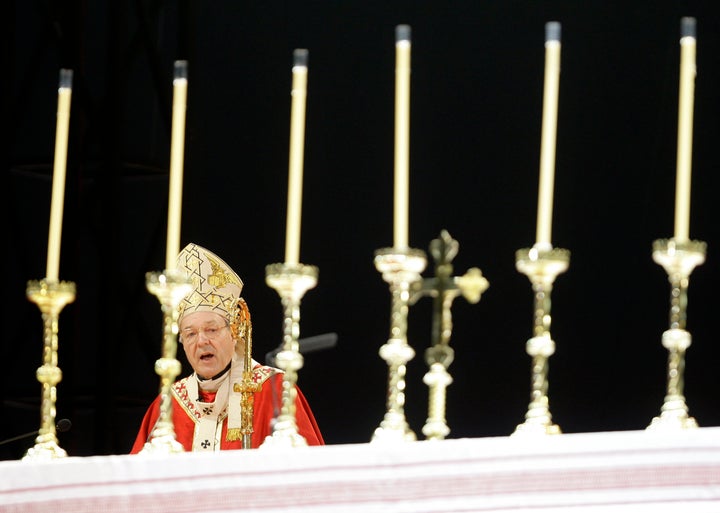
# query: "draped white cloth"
x,y
633,471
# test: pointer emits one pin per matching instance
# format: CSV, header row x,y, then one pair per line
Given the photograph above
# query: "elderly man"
x,y
214,325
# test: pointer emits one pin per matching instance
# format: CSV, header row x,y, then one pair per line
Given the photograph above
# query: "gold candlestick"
x,y
51,297
291,281
444,288
678,259
401,268
170,287
542,266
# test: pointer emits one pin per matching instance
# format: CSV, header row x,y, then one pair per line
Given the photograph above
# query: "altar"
x,y
636,471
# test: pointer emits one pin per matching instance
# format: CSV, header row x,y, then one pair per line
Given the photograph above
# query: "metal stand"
x,y
678,259
401,268
51,298
291,282
542,267
170,287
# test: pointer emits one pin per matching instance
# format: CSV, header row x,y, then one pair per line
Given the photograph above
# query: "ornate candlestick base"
x,y
678,259
291,282
170,287
542,266
401,268
51,297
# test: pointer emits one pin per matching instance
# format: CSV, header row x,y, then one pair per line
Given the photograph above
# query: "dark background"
x,y
476,106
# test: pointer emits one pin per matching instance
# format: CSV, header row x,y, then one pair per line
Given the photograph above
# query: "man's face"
x,y
207,341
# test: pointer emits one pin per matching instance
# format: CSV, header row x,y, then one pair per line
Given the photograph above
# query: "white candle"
x,y
402,135
297,144
685,128
549,133
59,169
177,151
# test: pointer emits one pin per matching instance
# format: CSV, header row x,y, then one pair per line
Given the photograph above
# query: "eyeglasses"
x,y
192,335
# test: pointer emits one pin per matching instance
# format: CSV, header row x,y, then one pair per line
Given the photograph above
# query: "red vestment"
x,y
265,402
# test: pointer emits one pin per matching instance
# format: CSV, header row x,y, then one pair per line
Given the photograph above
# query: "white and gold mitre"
x,y
216,287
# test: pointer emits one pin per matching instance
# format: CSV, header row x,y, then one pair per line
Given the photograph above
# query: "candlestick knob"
x,y
679,259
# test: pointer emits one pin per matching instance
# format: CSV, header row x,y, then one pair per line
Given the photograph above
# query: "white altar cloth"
x,y
633,471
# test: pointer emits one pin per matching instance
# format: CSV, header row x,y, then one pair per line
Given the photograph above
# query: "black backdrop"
x,y
476,106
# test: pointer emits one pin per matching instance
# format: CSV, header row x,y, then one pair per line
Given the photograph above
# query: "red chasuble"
x,y
185,417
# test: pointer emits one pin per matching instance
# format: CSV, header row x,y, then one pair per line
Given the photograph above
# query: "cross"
x,y
247,388
205,444
444,288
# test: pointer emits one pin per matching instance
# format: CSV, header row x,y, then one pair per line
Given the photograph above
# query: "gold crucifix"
x,y
444,288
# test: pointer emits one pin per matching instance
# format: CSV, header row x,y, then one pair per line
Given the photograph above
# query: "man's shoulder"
x,y
262,373
180,389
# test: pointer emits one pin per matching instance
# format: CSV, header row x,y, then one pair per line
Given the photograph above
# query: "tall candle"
x,y
297,144
59,171
177,151
549,133
685,129
402,135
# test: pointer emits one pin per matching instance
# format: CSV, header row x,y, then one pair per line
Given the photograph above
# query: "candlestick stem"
x,y
51,297
678,258
401,268
170,287
291,282
542,267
